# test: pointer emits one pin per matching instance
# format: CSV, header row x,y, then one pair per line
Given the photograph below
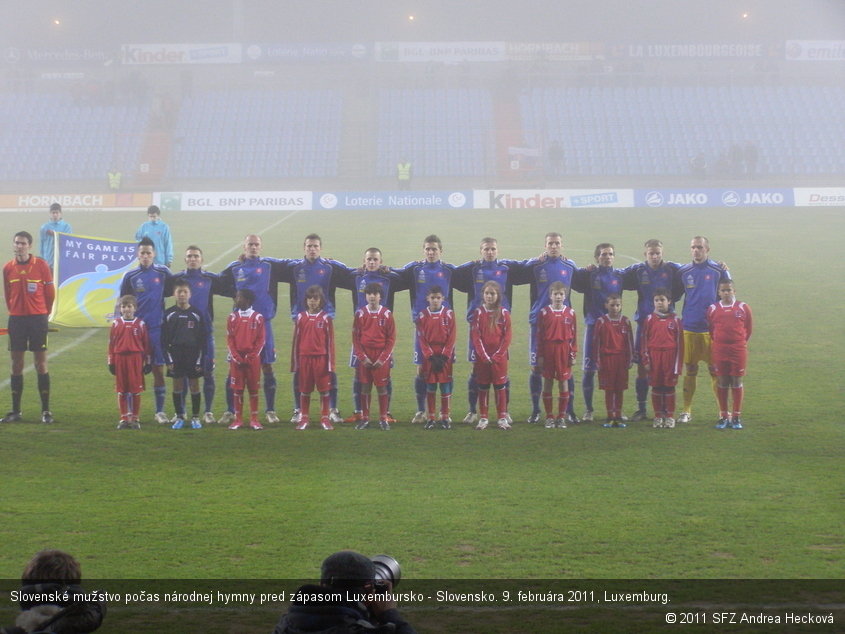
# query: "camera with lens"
x,y
388,572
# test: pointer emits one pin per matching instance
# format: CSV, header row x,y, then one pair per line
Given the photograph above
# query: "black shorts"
x,y
184,360
28,332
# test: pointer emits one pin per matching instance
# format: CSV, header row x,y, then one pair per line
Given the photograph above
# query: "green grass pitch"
x,y
585,502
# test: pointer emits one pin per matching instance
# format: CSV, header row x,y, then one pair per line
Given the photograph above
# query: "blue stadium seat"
x,y
686,120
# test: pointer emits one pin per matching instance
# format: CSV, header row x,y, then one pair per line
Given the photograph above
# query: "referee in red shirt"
x,y
29,291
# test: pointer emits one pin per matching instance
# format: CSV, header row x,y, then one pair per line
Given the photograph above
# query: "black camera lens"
x,y
387,569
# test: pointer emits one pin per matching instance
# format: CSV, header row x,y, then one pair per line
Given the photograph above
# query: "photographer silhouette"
x,y
354,595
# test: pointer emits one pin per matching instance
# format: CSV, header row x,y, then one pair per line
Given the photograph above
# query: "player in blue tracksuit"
x,y
596,283
698,283
329,275
314,270
204,286
540,273
157,230
261,276
48,232
418,277
150,283
469,278
645,277
373,271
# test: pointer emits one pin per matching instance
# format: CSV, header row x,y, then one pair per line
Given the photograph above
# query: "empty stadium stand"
x,y
614,131
442,132
656,130
52,136
257,134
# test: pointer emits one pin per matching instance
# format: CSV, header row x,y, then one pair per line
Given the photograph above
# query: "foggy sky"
x,y
29,23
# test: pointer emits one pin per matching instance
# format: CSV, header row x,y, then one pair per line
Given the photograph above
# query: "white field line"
x,y
239,245
92,331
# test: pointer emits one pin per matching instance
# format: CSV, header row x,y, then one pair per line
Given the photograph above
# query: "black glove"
x,y
438,362
148,368
111,369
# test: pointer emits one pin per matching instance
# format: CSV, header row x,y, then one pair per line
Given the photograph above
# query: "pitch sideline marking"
x,y
88,334
239,245
92,331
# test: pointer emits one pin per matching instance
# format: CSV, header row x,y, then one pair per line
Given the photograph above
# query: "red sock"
x,y
365,406
610,403
562,404
501,402
738,394
657,403
253,405
324,405
620,395
670,403
430,400
547,404
483,403
445,405
722,398
239,405
305,405
383,406
123,405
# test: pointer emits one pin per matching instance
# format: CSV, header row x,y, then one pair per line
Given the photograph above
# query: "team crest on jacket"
x,y
690,283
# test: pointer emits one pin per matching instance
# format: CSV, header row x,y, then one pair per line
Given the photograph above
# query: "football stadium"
x,y
452,144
